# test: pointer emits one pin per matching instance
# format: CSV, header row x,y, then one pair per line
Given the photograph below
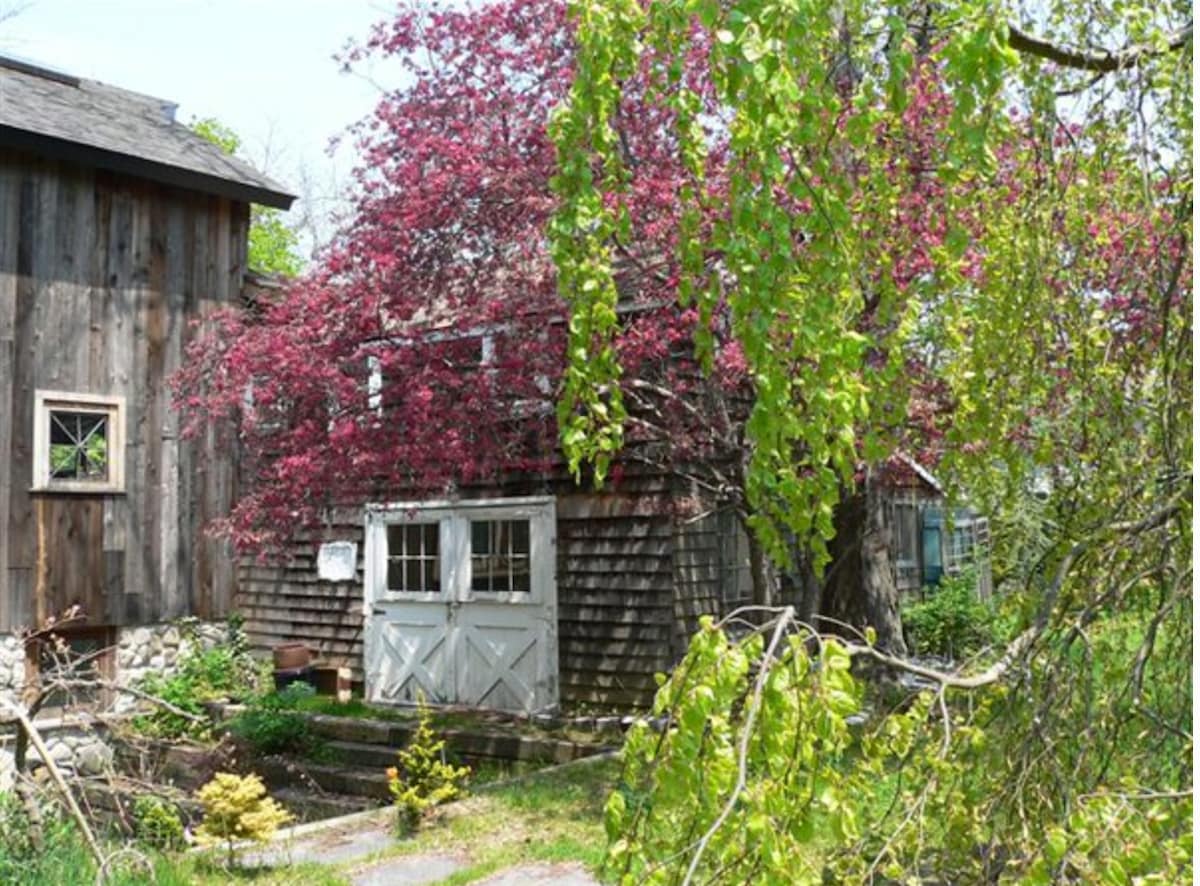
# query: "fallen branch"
x,y
128,690
1016,650
786,618
35,738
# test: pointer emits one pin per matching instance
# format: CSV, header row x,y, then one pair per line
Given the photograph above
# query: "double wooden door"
x,y
461,604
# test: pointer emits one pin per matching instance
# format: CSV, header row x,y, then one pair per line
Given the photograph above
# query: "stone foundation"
x,y
12,664
157,649
140,651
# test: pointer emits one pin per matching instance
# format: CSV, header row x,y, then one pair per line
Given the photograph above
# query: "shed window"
x,y
500,555
500,550
413,558
736,579
906,541
78,443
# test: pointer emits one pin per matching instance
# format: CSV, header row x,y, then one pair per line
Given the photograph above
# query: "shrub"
x,y
423,779
226,670
156,823
237,808
952,621
273,725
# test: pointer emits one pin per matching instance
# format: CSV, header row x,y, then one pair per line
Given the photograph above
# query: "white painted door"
x,y
461,604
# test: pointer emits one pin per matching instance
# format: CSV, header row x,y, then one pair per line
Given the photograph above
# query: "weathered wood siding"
x,y
283,601
615,595
698,575
618,602
101,277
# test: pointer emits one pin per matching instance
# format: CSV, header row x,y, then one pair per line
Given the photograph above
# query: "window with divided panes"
x,y
500,555
413,558
78,442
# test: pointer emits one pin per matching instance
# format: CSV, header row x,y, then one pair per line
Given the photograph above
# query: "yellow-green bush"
x,y
237,808
423,779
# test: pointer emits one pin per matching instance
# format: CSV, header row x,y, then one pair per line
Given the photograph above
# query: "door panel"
x,y
408,651
500,657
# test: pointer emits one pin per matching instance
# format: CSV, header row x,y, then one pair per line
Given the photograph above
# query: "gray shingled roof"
x,y
94,123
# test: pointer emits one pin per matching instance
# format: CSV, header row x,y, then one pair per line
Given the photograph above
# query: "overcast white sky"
x,y
263,67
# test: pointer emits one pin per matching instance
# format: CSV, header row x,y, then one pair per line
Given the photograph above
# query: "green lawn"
x,y
551,816
554,816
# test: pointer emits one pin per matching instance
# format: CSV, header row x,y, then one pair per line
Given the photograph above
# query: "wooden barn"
x,y
540,593
119,227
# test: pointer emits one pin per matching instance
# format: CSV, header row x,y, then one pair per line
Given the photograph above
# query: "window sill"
x,y
77,489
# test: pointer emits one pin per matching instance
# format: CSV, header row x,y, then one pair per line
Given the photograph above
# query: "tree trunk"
x,y
806,587
860,587
764,577
881,598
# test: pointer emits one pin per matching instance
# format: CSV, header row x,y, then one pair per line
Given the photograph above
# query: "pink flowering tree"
x,y
427,349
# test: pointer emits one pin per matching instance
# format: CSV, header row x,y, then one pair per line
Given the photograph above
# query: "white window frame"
x,y
113,408
454,545
487,360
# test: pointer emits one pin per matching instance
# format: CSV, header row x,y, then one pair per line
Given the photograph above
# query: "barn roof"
x,y
54,114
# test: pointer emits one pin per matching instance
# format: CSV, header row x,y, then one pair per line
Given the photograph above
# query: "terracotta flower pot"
x,y
289,656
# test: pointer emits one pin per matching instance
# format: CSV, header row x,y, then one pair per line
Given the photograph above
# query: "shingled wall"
x,y
634,573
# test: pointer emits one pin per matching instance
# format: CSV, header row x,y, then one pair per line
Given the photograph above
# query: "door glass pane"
x,y
500,555
412,558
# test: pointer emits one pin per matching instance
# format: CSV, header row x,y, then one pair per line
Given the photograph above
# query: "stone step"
x,y
285,772
467,744
360,754
309,805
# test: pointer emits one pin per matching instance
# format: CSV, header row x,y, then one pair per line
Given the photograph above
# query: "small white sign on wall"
x,y
337,560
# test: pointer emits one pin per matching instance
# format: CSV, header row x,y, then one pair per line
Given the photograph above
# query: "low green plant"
x,y
423,779
226,670
237,809
274,724
952,621
156,823
24,858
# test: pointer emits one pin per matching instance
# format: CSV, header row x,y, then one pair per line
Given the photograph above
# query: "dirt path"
x,y
425,870
366,836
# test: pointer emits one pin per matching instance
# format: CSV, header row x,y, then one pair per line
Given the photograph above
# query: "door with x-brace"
x,y
461,604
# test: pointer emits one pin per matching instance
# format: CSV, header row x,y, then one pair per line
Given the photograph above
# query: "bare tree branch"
x,y
1098,62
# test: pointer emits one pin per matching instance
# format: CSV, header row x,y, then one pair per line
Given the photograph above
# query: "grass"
x,y
553,816
66,861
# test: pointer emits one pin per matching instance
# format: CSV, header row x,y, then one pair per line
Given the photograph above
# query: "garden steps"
x,y
354,752
361,754
348,736
324,778
309,805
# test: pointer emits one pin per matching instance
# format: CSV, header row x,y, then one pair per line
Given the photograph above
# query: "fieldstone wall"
x,y
12,664
157,649
78,747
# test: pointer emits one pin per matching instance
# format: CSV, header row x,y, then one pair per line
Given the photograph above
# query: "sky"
x,y
265,68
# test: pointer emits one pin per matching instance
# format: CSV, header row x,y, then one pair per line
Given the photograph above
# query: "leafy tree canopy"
x,y
272,244
1040,156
